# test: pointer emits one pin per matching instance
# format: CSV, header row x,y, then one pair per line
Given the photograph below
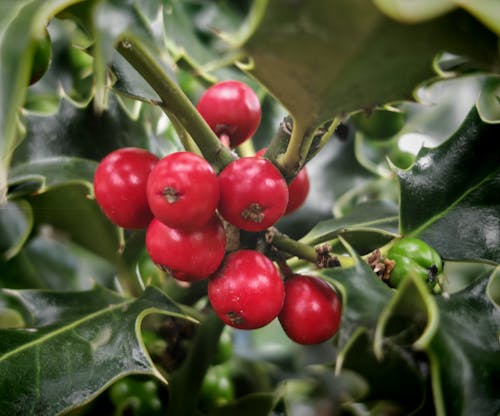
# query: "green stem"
x,y
304,251
176,102
291,246
187,141
295,154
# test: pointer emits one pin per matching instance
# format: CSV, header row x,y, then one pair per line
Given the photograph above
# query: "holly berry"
x,y
183,190
120,186
298,188
247,291
253,193
189,255
231,109
217,388
413,256
312,310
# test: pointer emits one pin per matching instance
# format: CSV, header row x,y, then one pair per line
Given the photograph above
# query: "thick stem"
x,y
176,102
293,159
313,254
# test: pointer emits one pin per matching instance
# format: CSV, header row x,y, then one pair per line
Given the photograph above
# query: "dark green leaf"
x,y
68,209
80,133
324,59
75,353
459,333
22,22
465,353
61,265
451,195
395,377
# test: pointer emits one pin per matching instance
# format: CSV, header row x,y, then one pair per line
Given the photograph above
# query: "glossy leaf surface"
x,y
450,197
62,359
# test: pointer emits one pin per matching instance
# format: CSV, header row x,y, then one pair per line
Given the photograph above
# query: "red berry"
x,y
183,190
231,108
298,188
253,193
312,310
120,186
247,291
189,255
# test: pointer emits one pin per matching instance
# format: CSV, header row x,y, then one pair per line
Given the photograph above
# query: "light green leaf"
x,y
488,103
409,11
382,215
78,344
487,11
42,175
16,221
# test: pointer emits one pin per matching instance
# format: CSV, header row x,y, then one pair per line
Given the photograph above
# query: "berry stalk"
x,y
319,255
174,101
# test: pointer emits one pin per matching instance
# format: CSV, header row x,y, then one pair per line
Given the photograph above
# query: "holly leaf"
x,y
39,176
325,59
394,378
79,133
96,335
451,196
51,261
16,222
23,24
488,103
458,333
464,352
366,227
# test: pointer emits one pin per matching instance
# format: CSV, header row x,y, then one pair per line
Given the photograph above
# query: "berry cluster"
x,y
184,206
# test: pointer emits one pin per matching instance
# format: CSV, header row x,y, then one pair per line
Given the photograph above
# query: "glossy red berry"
x,y
231,108
189,255
312,310
253,193
120,186
183,190
247,292
298,188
